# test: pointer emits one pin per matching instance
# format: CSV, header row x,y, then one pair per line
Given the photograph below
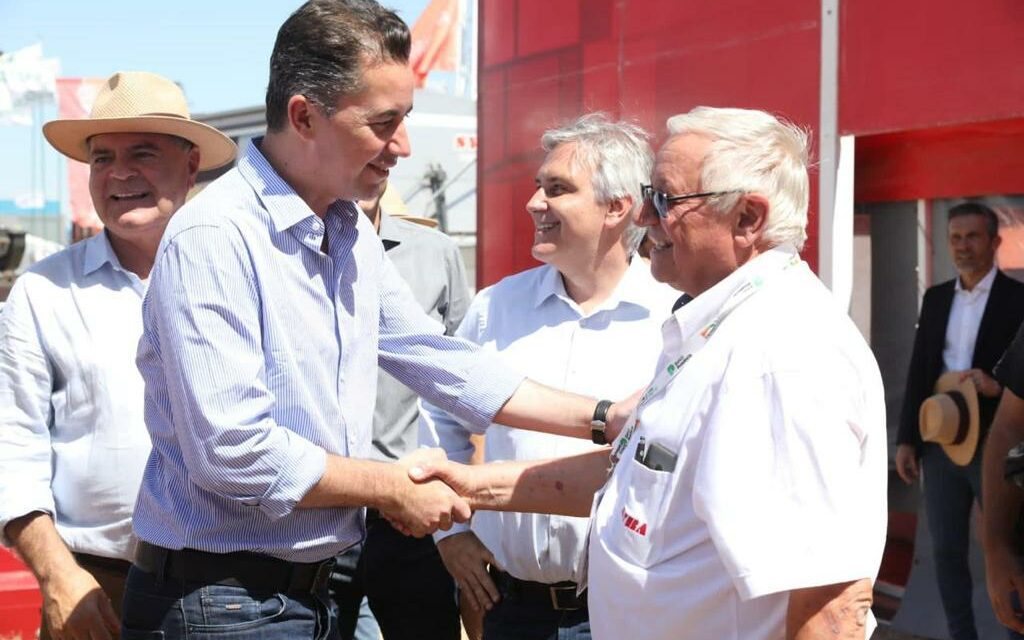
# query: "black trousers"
x,y
411,594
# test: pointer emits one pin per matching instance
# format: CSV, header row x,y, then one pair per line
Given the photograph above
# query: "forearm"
x,y
348,482
540,408
835,611
1001,501
562,486
36,539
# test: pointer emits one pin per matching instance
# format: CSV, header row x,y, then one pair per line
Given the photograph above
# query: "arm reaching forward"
x,y
563,486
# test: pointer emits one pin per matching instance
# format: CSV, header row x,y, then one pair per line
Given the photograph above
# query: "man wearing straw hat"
x,y
965,326
72,439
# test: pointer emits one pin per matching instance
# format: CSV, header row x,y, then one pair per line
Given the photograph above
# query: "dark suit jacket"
x,y
999,323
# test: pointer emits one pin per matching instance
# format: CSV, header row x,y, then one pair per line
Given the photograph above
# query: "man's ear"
x,y
193,166
751,219
300,115
618,209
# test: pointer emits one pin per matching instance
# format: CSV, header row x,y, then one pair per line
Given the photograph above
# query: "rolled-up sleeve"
x,y
205,332
450,372
26,381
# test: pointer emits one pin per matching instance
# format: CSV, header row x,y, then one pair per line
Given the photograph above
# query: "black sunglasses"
x,y
662,200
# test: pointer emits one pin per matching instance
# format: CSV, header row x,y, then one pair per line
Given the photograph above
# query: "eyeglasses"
x,y
662,200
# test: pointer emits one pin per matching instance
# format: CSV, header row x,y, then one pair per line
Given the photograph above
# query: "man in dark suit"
x,y
965,325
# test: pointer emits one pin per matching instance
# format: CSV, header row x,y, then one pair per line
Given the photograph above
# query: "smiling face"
x,y
364,138
692,249
567,217
138,180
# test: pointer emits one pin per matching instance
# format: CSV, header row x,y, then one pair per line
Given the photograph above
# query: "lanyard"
x,y
692,345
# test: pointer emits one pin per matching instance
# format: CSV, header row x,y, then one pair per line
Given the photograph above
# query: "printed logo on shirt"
x,y
633,524
674,366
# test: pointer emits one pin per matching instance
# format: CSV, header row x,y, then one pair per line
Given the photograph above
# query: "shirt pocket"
x,y
638,521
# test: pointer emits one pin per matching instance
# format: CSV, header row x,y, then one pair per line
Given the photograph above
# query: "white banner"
x,y
26,77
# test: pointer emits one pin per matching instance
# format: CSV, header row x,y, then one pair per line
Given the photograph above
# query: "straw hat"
x,y
950,417
420,220
140,102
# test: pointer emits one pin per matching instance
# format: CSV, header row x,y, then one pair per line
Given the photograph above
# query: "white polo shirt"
x,y
778,422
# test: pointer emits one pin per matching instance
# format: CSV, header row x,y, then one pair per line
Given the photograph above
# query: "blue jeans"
x,y
155,608
513,619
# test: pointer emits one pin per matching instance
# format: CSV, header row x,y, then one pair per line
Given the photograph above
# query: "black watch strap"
x,y
599,422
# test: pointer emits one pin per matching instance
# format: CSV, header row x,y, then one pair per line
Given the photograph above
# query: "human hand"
x,y
1005,579
421,508
457,476
906,463
619,413
466,558
472,619
75,607
986,384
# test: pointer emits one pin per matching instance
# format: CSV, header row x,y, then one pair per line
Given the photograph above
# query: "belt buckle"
x,y
556,603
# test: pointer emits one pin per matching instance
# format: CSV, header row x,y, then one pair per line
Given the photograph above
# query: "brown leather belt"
x,y
559,596
239,569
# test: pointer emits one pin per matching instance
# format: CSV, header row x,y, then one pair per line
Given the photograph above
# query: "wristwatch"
x,y
599,422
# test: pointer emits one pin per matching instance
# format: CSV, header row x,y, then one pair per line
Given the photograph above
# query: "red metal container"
x,y
20,600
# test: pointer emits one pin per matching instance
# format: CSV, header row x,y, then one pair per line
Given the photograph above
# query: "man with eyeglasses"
x,y
589,304
747,499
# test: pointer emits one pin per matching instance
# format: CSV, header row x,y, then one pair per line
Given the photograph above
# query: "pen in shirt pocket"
x,y
641,445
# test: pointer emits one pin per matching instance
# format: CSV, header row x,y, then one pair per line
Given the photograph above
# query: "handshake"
x,y
431,496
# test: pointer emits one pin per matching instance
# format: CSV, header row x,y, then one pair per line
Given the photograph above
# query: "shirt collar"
x,y
285,207
630,288
98,252
984,285
703,308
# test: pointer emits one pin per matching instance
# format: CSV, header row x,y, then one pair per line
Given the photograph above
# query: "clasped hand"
x,y
420,508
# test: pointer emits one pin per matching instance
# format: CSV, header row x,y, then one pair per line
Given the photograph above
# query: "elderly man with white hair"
x,y
592,303
746,499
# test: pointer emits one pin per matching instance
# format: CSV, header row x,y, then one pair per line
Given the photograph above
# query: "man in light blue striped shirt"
x,y
270,305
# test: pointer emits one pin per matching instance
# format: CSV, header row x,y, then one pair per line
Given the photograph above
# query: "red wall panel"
x,y
546,25
920,64
642,59
943,162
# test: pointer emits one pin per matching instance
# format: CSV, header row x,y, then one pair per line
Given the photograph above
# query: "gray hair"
x,y
617,156
753,151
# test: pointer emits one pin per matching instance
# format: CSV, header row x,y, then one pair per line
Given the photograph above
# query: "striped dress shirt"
x,y
259,355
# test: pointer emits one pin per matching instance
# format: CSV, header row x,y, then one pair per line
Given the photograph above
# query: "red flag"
x,y
74,99
435,39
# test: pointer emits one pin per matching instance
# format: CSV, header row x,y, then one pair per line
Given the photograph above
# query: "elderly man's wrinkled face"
x,y
692,248
138,180
567,217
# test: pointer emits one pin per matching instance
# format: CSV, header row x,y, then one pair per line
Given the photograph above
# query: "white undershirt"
x,y
964,321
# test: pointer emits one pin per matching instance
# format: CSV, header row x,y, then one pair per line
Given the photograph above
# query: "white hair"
x,y
618,158
753,151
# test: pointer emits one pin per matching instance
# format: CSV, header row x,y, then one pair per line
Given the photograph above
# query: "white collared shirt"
x,y
778,425
537,329
964,322
72,438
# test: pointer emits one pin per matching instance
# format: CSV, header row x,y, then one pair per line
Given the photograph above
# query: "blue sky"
x,y
217,49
